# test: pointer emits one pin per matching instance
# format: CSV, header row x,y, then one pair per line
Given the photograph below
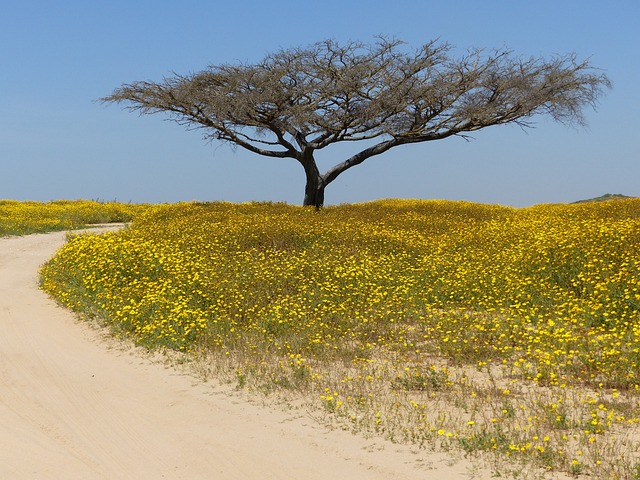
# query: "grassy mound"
x,y
445,324
605,198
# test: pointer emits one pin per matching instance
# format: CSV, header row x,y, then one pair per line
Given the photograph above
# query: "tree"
x,y
298,101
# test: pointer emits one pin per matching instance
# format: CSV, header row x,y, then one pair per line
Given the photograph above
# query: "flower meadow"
x,y
22,218
512,335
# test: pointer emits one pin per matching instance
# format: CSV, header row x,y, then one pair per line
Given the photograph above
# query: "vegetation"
x,y
299,101
23,218
605,198
509,334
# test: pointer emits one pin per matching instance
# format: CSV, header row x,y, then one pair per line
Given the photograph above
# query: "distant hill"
x,y
604,198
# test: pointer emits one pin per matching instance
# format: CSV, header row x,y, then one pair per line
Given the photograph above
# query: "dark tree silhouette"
x,y
301,100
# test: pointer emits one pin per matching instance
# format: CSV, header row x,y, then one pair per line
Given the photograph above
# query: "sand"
x,y
74,407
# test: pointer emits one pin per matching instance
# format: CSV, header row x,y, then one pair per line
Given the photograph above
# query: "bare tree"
x,y
298,101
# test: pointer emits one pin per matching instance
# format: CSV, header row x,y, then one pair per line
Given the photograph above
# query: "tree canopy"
x,y
301,100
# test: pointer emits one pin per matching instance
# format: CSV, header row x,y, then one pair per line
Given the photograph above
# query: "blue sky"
x,y
58,57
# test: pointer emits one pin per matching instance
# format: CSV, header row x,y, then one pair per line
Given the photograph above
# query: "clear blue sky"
x,y
58,57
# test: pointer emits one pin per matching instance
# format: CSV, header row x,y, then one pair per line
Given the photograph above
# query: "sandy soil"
x,y
73,407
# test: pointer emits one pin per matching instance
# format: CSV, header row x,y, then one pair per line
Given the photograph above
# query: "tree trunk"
x,y
314,189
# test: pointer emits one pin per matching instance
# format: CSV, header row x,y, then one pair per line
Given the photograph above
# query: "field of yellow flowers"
x,y
511,334
22,218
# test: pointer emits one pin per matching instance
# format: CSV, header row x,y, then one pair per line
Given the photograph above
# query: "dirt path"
x,y
72,408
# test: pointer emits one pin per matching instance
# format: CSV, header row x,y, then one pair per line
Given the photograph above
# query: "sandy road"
x,y
72,408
